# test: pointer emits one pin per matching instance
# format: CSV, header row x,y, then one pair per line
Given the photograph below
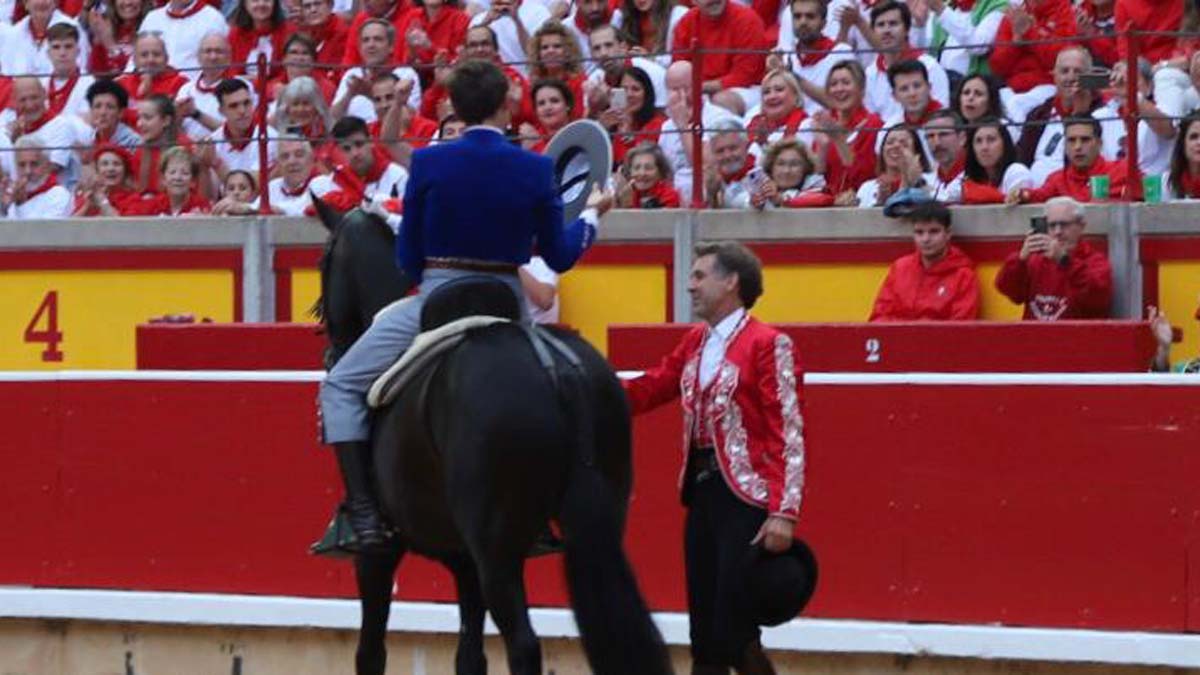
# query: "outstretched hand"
x,y
601,200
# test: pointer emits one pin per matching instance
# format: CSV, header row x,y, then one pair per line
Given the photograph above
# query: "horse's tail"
x,y
619,637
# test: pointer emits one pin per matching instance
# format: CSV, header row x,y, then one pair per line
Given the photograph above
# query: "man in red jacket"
x,y
1083,162
936,282
743,471
733,80
1057,275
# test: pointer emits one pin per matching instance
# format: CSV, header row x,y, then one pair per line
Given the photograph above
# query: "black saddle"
x,y
475,295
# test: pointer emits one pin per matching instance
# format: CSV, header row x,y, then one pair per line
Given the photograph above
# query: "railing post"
x,y
684,239
258,276
1121,256
697,129
264,170
1133,188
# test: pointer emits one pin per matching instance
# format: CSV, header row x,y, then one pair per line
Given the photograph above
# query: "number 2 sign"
x,y
43,328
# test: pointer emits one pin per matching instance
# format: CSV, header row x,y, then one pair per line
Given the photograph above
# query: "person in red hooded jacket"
x,y
1056,274
936,282
1083,163
743,455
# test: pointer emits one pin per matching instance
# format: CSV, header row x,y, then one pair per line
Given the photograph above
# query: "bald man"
x,y
29,113
196,103
678,146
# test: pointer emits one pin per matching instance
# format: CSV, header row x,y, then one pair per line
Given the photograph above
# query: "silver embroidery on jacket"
x,y
687,392
736,446
793,425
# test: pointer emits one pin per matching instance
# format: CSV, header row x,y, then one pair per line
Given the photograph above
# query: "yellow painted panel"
x,y
306,288
593,296
97,311
1178,288
819,292
993,305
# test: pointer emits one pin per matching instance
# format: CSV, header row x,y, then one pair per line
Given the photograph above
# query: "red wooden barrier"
x,y
1053,504
230,346
961,347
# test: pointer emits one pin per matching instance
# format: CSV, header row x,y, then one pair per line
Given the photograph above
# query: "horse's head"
x,y
359,276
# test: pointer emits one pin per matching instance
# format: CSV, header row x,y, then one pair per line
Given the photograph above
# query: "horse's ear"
x,y
329,216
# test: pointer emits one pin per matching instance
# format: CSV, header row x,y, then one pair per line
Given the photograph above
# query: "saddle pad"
x,y
425,348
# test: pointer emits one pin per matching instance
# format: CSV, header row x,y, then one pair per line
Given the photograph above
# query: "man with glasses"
x,y
196,104
182,24
1056,274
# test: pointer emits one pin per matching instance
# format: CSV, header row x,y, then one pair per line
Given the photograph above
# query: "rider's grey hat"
x,y
582,155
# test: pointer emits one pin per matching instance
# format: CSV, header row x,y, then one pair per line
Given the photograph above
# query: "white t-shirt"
x,y
532,15
77,103
879,97
246,156
22,55
537,268
672,145
817,73
868,192
960,31
390,184
57,133
295,205
677,13
53,203
183,36
656,73
361,106
1154,151
1050,155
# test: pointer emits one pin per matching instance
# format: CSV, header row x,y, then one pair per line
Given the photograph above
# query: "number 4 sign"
x,y
47,316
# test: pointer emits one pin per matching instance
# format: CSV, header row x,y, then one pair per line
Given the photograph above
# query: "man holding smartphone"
x,y
1056,274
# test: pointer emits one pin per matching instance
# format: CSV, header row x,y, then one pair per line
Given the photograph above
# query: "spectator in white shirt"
x,y
808,51
35,194
733,178
676,138
610,47
298,177
540,284
232,145
26,49
196,103
66,86
29,113
183,24
992,171
891,22
947,143
513,23
376,44
1155,132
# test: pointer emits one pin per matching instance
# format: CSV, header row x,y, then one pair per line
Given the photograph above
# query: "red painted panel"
x,y
240,346
1027,505
984,346
1168,248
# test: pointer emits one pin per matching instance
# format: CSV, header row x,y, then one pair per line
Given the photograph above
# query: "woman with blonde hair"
x,y
554,54
782,109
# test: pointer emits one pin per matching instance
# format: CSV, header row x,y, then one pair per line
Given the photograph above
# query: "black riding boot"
x,y
358,526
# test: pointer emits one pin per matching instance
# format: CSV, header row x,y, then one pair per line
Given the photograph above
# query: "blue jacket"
x,y
482,198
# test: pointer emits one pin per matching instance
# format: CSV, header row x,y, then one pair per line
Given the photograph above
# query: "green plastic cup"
x,y
1152,189
1100,186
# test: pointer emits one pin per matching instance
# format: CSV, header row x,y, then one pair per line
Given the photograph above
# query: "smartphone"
x,y
1094,79
757,178
617,99
1038,225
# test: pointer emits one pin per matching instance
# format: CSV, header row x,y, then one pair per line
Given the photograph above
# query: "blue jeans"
x,y
344,391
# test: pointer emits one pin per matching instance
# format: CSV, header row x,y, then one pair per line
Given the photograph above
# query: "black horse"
x,y
477,455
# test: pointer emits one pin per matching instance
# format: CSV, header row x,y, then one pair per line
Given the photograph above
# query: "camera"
x,y
1094,79
1039,225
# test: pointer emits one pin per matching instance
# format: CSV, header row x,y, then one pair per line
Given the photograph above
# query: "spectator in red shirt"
x,y
257,27
553,100
1097,30
936,282
435,29
1026,66
399,128
844,136
178,174
481,44
992,169
299,55
152,74
1058,275
394,12
1183,180
328,32
554,54
640,121
732,80
112,27
1082,136
110,189
157,125
646,181
782,109
1150,16
902,163
793,179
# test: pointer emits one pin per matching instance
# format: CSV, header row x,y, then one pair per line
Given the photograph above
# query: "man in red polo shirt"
x,y
732,80
1083,162
936,282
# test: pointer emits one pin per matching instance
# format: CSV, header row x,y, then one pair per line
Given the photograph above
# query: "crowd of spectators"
x,y
152,107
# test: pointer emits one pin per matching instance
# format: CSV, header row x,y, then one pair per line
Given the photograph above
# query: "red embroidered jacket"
x,y
754,404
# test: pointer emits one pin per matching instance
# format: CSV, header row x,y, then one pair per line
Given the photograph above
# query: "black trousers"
x,y
717,535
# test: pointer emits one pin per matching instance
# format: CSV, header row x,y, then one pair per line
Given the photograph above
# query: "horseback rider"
x,y
477,206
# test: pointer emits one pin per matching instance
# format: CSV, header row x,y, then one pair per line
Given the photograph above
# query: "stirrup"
x,y
340,541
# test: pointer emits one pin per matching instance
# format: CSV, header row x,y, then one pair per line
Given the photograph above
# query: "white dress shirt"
x,y
715,343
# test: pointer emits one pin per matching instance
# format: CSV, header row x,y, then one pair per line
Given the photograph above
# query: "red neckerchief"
x,y
853,119
663,192
236,146
1189,184
50,182
379,166
810,55
207,89
907,54
300,190
57,97
194,204
893,184
924,116
314,129
321,33
761,127
968,5
741,173
190,10
581,21
947,175
38,123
